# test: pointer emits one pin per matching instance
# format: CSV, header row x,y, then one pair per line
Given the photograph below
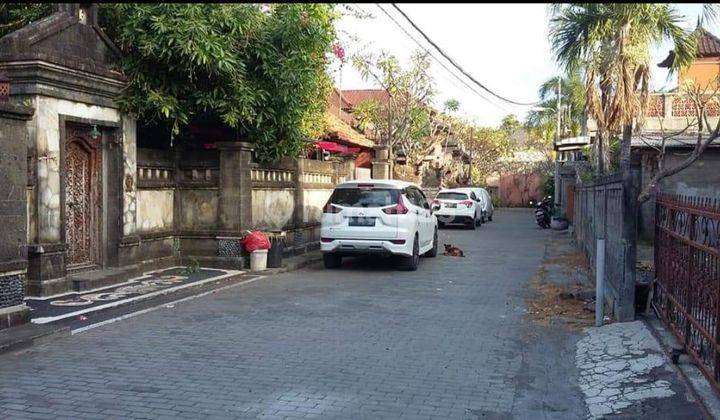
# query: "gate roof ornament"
x,y
64,55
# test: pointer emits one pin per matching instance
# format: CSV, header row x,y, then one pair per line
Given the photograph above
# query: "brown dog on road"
x,y
453,251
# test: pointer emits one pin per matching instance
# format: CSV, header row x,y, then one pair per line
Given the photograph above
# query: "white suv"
x,y
378,216
485,200
457,206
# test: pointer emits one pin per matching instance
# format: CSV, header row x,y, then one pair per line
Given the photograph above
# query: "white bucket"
x,y
258,260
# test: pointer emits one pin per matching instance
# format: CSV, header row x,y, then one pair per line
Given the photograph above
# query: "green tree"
x,y
403,120
510,124
14,16
572,99
486,146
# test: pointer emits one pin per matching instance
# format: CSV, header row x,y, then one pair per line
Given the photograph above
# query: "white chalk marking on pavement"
x,y
145,275
164,305
48,319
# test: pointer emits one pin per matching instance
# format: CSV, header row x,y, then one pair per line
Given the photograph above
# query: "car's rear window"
x,y
362,197
452,196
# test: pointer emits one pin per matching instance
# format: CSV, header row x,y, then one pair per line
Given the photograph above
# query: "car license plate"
x,y
451,205
362,221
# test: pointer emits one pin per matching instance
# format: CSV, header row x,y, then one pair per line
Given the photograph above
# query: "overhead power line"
x,y
449,70
456,65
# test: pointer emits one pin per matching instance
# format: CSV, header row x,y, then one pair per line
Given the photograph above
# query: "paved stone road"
x,y
365,341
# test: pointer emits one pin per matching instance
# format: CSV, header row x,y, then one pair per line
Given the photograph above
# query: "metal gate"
x,y
687,266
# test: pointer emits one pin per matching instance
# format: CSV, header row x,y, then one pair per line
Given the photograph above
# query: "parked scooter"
x,y
543,212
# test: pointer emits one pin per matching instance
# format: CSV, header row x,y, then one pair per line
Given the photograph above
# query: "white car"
x,y
485,201
457,206
378,216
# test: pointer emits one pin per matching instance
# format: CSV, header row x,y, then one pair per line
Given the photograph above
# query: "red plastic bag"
x,y
254,241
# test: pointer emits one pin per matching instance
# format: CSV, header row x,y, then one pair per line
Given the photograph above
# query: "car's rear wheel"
x,y
433,252
411,263
332,260
441,225
490,218
473,223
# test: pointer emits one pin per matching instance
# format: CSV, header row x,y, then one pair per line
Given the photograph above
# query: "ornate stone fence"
x,y
199,203
290,194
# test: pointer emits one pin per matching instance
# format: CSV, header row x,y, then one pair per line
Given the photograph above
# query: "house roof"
x,y
355,96
336,98
708,46
337,106
573,143
680,141
340,130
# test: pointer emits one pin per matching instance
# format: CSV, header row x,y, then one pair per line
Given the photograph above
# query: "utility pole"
x,y
472,148
559,107
557,140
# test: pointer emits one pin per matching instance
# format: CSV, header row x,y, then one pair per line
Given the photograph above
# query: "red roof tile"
x,y
708,45
355,96
338,106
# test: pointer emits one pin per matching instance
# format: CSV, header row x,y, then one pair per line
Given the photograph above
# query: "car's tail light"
x,y
398,241
436,202
398,208
326,240
331,208
467,203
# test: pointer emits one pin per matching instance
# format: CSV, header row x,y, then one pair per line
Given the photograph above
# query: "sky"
x,y
504,46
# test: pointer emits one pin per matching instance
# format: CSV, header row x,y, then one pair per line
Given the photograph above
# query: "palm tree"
x,y
572,98
611,43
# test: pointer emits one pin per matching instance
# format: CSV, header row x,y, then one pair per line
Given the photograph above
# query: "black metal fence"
x,y
687,267
600,213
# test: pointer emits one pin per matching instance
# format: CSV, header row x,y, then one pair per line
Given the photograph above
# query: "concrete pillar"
x,y
566,174
129,185
299,213
381,163
558,186
667,108
13,213
625,308
235,197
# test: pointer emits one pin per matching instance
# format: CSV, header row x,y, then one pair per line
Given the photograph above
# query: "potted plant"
x,y
559,222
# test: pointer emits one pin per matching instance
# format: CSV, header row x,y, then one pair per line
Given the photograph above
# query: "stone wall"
x,y
13,213
273,208
206,199
155,210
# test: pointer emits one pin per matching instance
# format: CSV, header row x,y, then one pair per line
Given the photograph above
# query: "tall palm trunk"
x,y
626,147
600,151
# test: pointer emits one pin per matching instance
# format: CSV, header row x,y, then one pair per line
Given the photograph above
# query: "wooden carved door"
x,y
83,197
